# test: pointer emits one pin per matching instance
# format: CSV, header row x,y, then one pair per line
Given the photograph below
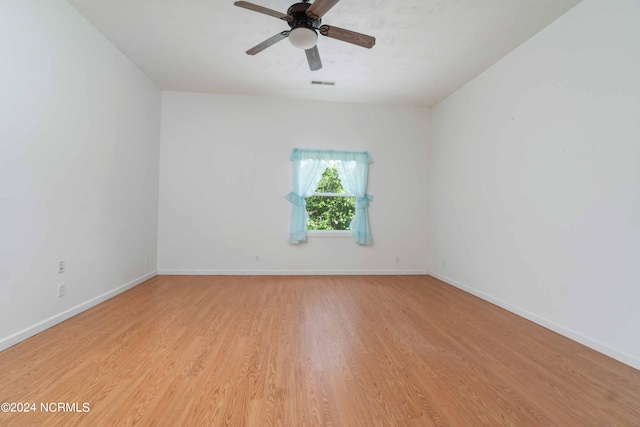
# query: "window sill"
x,y
329,233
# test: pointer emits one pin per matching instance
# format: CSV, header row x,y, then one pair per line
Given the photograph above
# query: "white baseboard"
x,y
61,317
591,343
291,272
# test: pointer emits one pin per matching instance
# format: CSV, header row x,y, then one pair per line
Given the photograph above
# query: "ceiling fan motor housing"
x,y
300,18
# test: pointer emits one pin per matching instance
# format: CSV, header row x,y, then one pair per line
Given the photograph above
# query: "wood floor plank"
x,y
311,351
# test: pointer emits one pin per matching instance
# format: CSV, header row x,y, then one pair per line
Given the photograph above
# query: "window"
x,y
345,175
330,207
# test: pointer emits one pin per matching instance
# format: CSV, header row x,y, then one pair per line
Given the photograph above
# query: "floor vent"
x,y
318,82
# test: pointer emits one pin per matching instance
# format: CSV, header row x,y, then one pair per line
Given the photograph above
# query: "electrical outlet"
x,y
146,262
257,258
61,266
397,259
61,290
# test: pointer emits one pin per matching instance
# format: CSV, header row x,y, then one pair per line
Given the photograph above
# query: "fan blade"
x,y
348,36
313,56
319,8
261,9
268,42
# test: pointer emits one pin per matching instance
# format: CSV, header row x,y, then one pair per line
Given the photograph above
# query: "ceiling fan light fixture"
x,y
303,38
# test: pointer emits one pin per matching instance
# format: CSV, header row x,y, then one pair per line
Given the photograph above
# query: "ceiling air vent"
x,y
318,82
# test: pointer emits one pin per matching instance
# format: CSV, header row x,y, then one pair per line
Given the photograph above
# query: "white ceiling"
x,y
425,49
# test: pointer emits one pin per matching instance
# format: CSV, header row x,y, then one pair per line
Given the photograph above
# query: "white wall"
x,y
225,169
535,180
79,146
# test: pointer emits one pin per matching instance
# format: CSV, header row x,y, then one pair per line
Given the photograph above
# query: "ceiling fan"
x,y
305,22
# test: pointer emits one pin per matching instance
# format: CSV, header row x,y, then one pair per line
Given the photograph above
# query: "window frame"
x,y
305,166
338,234
330,233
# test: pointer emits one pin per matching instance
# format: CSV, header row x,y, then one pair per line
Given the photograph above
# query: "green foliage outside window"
x,y
330,212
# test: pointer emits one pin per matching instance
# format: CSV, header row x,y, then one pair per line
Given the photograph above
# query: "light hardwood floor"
x,y
296,351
